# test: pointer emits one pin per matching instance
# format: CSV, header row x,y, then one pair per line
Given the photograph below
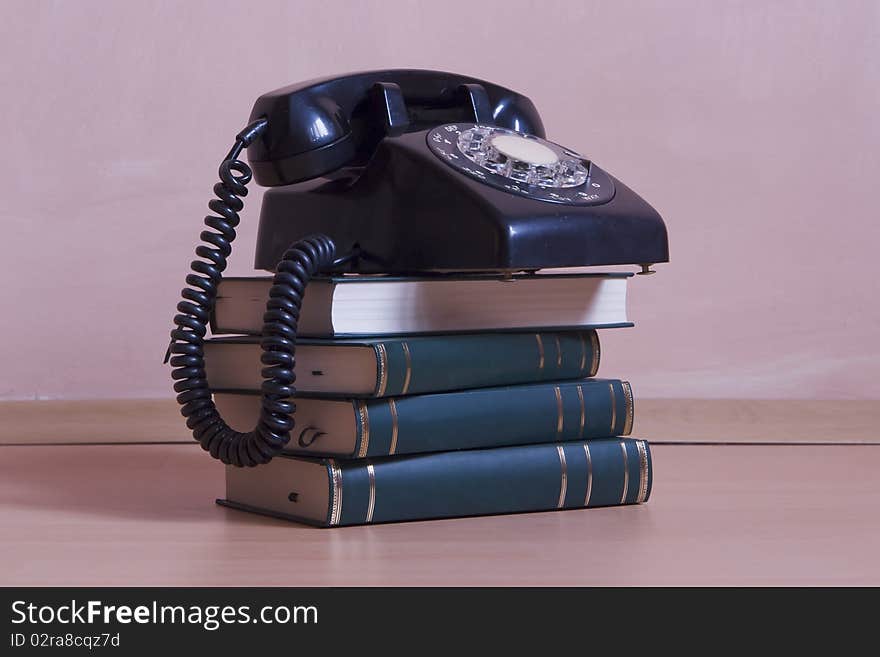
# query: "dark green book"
x,y
469,419
329,492
392,367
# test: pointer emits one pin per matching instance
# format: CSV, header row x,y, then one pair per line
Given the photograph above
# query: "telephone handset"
x,y
400,171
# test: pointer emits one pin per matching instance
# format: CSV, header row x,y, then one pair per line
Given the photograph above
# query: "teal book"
x,y
469,419
553,476
398,366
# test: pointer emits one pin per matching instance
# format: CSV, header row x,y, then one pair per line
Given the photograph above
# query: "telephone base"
x,y
409,212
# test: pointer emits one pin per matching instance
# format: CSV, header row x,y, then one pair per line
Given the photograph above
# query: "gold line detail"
x,y
589,475
583,352
540,351
392,405
336,503
643,471
408,376
383,369
625,474
628,420
371,474
613,408
583,413
563,484
558,352
594,343
559,415
364,417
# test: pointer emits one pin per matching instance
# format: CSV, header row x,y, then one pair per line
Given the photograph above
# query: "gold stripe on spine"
x,y
392,406
408,375
559,416
628,419
563,484
613,408
336,502
364,417
583,413
540,351
643,471
371,474
383,369
558,352
594,343
625,474
583,352
589,475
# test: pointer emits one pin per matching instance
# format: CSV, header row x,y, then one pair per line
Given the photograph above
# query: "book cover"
x,y
415,365
487,417
555,476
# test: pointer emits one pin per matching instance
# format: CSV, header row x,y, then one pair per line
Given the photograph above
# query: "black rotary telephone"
x,y
398,172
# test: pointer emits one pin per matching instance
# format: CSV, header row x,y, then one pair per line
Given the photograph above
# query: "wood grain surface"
x,y
658,420
144,515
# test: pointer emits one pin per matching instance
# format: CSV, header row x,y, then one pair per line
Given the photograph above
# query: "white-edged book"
x,y
384,305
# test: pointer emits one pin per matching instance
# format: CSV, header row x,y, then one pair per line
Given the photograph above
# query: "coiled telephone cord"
x,y
298,265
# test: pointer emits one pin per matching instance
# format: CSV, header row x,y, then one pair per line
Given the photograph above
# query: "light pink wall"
x,y
751,126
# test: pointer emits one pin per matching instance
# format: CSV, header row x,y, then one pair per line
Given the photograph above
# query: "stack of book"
x,y
435,397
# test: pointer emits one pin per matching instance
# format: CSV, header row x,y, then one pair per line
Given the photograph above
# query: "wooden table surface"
x,y
141,514
659,420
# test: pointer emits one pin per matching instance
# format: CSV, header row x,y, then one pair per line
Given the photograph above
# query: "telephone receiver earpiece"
x,y
319,126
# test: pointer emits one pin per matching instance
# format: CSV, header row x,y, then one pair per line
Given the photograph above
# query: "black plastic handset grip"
x,y
319,126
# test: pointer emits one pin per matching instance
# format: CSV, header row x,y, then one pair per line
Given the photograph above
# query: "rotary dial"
x,y
521,164
523,158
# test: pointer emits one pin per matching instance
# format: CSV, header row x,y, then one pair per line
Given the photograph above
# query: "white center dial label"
x,y
519,148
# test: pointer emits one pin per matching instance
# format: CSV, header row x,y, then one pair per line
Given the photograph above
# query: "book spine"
x,y
412,367
493,417
568,475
